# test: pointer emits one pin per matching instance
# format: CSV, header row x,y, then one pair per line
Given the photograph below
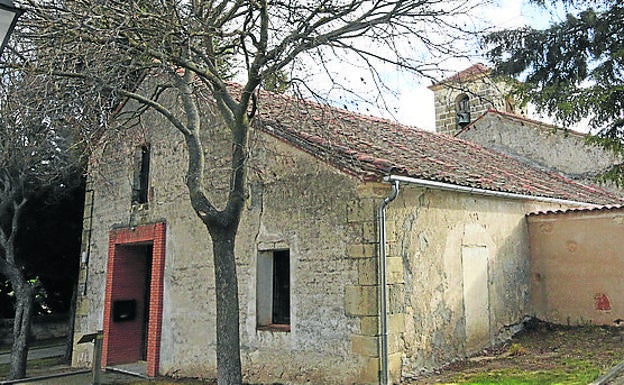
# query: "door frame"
x,y
154,234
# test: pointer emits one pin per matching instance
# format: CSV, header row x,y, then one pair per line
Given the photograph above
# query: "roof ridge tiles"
x,y
371,148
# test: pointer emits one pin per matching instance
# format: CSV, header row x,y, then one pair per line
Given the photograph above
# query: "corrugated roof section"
x,y
577,210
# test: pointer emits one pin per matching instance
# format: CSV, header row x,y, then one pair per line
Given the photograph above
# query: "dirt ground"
x,y
542,347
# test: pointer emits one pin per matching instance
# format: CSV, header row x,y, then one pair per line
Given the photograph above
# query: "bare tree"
x,y
35,161
196,46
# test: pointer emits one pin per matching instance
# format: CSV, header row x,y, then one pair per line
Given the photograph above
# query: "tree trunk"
x,y
24,293
226,288
69,341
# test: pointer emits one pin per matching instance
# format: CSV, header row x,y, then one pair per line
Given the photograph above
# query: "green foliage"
x,y
574,69
277,82
576,373
517,349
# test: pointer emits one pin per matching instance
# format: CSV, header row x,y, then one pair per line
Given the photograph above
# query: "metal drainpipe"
x,y
396,180
383,347
479,191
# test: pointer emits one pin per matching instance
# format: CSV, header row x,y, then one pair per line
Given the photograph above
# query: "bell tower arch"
x,y
463,97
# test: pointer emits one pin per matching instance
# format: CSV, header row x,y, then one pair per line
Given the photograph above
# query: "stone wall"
x,y
464,261
296,202
43,328
483,94
543,146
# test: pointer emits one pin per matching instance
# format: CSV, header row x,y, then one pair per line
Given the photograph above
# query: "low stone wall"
x,y
43,328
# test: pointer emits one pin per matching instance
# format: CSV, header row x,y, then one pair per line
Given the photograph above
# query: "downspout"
x,y
383,347
396,181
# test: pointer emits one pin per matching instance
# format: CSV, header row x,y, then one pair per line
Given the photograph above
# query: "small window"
x,y
462,109
141,175
273,290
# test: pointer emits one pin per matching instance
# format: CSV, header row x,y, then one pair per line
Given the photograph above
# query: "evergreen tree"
x,y
572,70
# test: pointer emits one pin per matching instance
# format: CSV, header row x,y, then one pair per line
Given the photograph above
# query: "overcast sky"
x,y
415,103
337,80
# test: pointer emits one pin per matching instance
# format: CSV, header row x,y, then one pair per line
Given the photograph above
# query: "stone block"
x,y
396,323
361,250
367,271
396,298
393,249
392,229
373,191
395,343
395,363
365,346
354,232
360,211
369,326
394,270
82,306
277,244
361,300
369,374
369,231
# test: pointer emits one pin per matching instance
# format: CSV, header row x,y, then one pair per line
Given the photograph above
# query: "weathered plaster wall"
x,y
295,201
308,206
577,260
433,235
541,146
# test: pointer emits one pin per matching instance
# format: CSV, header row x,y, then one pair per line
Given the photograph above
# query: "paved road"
x,y
81,379
78,378
36,353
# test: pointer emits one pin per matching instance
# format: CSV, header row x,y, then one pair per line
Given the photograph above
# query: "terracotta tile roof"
x,y
473,72
580,210
371,148
519,119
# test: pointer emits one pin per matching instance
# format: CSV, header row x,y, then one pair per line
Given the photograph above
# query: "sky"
x,y
413,104
505,14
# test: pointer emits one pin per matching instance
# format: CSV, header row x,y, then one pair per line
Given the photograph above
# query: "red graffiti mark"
x,y
602,302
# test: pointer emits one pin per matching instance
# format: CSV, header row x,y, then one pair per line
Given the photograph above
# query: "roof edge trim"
x,y
479,191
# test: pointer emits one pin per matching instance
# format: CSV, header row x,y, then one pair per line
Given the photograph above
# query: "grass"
x,y
541,355
582,374
571,372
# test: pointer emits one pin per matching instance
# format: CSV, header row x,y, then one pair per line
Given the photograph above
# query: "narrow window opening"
x,y
462,109
281,287
141,175
273,290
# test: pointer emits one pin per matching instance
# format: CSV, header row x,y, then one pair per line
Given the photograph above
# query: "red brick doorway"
x,y
134,296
